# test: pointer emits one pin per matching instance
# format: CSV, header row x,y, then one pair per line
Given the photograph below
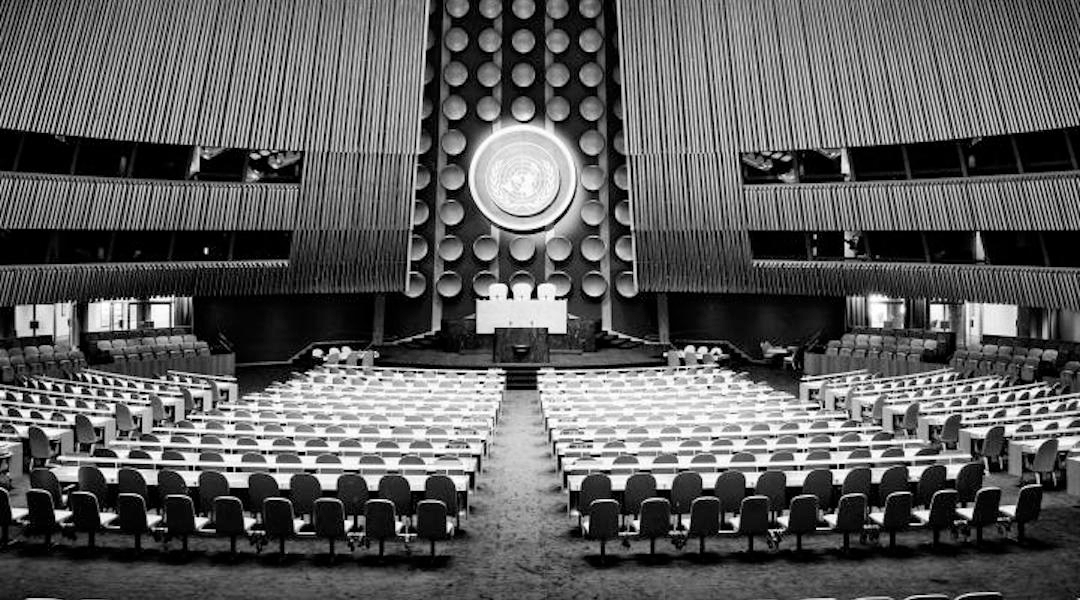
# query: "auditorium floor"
x,y
519,543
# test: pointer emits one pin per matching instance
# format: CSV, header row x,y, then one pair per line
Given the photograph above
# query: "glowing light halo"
x,y
522,136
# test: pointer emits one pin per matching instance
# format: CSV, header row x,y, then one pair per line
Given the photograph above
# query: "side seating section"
x,y
148,345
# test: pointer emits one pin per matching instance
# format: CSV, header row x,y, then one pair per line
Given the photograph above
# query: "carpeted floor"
x,y
519,544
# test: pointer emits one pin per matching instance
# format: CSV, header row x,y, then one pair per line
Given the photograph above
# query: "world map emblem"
x,y
523,178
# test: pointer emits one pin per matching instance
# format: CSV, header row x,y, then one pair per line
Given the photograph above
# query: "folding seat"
x,y
893,480
968,482
802,518
86,516
229,520
381,522
993,446
985,512
753,519
773,485
1029,370
857,481
91,479
896,516
704,519
601,523
941,514
260,487
654,521
950,431
180,518
132,518
1026,509
684,489
280,522
8,516
42,517
304,490
595,486
1044,461
212,485
41,449
85,435
730,489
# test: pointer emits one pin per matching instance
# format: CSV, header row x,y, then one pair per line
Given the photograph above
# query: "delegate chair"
x,y
433,522
802,518
985,512
352,490
329,520
8,516
896,516
654,521
1043,462
229,520
850,517
180,519
601,522
595,486
753,519
42,518
1026,509
132,518
704,519
941,515
381,522
280,522
730,488
86,516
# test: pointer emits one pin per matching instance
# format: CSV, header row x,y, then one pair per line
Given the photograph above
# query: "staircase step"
x,y
521,378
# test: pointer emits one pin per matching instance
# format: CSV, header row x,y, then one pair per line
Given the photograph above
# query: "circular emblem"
x,y
523,178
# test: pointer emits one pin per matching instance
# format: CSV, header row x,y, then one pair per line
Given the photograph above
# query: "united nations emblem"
x,y
522,178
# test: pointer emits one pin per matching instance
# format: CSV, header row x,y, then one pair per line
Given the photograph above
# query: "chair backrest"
x,y
931,481
894,479
5,508
704,517
328,516
639,487
942,509
851,513
898,507
803,514
546,291
994,444
179,514
911,416
352,490
969,481
522,290
211,485
40,512
39,443
396,489
754,515
773,485
260,487
1045,457
85,513
684,489
304,490
498,291
380,519
857,482
595,486
131,514
228,516
131,481
819,483
730,488
278,517
603,519
442,488
987,506
655,518
950,430
431,523
92,480
1029,504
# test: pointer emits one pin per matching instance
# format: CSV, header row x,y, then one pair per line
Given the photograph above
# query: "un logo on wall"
x,y
523,178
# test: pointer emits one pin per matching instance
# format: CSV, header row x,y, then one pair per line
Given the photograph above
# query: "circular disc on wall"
x,y
491,8
593,213
488,109
590,9
424,143
591,109
452,213
416,286
485,248
616,109
593,285
489,74
558,41
626,284
454,108
616,75
557,9
456,40
430,39
451,248
592,178
591,75
452,177
593,248
449,284
482,282
522,277
455,74
624,248
562,282
429,74
523,41
619,143
558,109
490,40
423,177
591,143
426,108
622,212
557,75
622,177
453,142
523,9
420,213
457,8
523,109
591,40
522,249
559,249
418,248
523,75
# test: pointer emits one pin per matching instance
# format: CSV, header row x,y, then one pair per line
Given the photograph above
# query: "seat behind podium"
x,y
522,291
498,291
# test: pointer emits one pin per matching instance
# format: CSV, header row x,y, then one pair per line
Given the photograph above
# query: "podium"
x,y
521,345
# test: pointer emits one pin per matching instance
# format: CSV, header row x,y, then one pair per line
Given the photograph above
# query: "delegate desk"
x,y
532,314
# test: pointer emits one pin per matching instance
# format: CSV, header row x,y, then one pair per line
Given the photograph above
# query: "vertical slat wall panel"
x,y
337,79
775,74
